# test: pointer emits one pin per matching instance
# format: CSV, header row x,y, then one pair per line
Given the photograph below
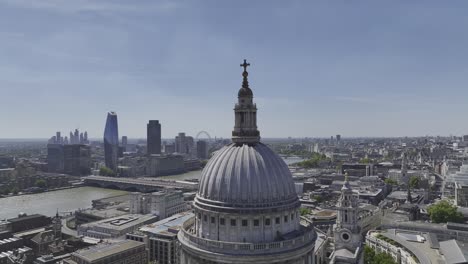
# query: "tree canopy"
x,y
304,211
371,257
40,183
104,171
414,182
390,182
365,161
443,212
313,162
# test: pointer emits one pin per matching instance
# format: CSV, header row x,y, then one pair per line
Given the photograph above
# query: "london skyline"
x,y
317,69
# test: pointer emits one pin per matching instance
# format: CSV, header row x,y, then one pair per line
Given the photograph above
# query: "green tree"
x,y
318,198
414,182
104,171
390,182
14,190
313,162
365,160
203,163
443,212
383,258
371,257
5,191
304,211
40,183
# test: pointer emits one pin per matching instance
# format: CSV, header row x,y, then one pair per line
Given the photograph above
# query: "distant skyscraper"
x,y
76,137
124,143
202,149
71,138
181,143
191,146
111,141
153,137
338,137
86,137
82,138
58,138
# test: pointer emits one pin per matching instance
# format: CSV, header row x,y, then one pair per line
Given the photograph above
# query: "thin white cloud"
x,y
74,6
356,99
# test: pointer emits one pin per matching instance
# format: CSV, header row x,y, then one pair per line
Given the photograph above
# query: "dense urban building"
x,y
111,141
163,203
124,143
184,144
161,238
115,227
202,149
153,137
126,251
55,157
77,159
160,165
169,148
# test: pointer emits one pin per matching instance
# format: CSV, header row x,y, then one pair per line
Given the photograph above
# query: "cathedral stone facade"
x,y
246,209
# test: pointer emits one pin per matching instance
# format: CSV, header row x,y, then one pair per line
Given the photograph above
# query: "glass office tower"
x,y
111,141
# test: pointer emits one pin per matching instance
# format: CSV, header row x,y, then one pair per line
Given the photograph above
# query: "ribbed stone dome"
x,y
247,176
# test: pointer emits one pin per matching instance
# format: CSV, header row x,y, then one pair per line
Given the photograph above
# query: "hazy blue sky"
x,y
319,68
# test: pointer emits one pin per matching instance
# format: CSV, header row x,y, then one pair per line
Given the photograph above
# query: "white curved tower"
x,y
246,209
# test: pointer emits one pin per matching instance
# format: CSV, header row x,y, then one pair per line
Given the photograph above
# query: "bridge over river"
x,y
138,184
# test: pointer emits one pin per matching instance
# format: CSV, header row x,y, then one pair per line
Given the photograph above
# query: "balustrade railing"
x,y
244,248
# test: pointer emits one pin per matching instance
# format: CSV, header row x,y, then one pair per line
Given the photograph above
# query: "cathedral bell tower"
x,y
245,127
347,231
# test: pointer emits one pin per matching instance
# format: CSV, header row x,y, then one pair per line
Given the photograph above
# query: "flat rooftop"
x,y
170,222
104,250
109,212
454,251
418,243
121,222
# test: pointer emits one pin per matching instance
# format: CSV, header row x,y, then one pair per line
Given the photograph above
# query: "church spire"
x,y
346,185
245,74
245,127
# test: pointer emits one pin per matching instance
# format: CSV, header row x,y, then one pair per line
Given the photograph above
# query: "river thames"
x,y
71,199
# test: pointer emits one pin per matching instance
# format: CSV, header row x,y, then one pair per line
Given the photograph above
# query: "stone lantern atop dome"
x,y
245,127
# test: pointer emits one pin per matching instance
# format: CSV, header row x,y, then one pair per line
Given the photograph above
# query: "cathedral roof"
x,y
245,92
248,176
